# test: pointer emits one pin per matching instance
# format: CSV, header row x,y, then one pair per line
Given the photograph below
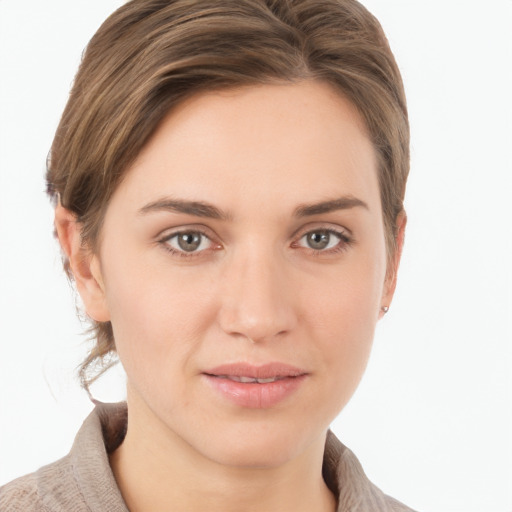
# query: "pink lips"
x,y
257,387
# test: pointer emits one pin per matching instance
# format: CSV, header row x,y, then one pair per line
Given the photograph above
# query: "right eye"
x,y
187,243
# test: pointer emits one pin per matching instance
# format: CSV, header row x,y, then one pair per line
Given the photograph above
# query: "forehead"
x,y
267,142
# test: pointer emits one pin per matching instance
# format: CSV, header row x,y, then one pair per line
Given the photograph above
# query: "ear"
x,y
84,265
394,263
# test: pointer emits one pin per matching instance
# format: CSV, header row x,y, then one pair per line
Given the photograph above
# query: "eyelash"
x,y
345,241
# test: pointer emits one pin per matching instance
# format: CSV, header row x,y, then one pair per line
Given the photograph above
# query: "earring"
x,y
384,309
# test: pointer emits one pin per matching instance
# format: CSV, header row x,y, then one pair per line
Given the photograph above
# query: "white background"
x,y
432,420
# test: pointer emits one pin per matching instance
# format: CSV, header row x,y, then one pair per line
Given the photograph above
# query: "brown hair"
x,y
150,55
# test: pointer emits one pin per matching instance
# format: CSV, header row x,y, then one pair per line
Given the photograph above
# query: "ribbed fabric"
x,y
82,481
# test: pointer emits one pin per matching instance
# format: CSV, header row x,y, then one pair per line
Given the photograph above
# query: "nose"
x,y
257,298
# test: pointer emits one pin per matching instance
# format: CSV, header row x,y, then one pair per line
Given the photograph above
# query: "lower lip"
x,y
254,395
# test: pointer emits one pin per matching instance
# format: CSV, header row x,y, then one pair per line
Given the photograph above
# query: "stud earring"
x,y
384,309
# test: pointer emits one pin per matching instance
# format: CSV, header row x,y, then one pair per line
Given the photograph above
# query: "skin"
x,y
254,291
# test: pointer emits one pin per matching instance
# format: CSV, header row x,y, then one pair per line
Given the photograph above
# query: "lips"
x,y
252,386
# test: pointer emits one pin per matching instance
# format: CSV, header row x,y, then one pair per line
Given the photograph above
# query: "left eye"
x,y
189,241
321,240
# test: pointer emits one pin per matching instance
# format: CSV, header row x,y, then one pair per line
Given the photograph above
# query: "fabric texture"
x,y
83,481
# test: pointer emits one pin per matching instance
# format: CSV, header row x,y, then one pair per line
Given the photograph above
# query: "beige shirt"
x,y
82,481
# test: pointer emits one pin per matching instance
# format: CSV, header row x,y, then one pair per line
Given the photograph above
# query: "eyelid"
x,y
322,226
168,232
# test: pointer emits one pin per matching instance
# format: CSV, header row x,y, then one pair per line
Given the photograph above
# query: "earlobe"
x,y
394,263
83,265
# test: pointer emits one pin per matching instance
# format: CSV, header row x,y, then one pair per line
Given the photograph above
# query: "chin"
x,y
263,445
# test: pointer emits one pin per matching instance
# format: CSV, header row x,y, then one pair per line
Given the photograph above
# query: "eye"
x,y
187,242
324,240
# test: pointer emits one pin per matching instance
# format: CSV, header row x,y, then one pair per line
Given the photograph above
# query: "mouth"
x,y
256,372
249,380
258,387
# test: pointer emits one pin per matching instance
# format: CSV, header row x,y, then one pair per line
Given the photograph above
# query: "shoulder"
x,y
82,481
356,493
51,488
20,494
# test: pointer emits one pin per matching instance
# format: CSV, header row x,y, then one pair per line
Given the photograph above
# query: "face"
x,y
242,264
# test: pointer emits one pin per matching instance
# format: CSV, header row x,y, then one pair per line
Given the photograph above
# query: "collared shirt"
x,y
83,481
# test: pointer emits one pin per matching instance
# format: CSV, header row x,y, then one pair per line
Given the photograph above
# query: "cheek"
x,y
344,322
157,316
346,327
351,295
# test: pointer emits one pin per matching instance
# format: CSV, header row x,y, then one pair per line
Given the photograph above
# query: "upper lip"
x,y
265,371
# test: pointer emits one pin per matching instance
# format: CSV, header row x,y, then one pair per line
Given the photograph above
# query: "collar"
x,y
105,428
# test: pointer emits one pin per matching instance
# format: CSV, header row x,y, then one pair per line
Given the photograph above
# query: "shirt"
x,y
83,481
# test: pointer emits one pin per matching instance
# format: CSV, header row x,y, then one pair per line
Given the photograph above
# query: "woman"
x,y
228,179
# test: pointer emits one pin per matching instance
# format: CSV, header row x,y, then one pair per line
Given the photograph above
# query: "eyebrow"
x,y
195,208
341,203
207,210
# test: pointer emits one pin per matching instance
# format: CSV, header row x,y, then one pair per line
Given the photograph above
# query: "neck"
x,y
157,470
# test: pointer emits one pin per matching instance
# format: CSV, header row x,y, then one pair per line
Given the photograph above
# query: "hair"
x,y
151,55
